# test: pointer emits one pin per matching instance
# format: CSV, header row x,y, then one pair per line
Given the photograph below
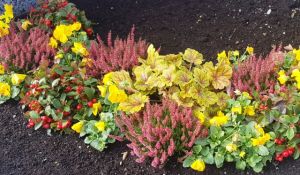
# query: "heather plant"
x,y
161,131
116,55
23,51
257,75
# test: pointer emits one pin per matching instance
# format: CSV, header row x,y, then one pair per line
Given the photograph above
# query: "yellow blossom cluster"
x,y
262,139
198,165
62,33
296,76
4,89
5,19
219,120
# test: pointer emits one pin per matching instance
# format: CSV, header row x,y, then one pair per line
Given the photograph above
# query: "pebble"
x,y
269,12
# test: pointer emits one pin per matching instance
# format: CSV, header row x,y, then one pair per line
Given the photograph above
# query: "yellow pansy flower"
x,y
107,79
259,129
297,54
199,114
4,89
282,77
261,140
78,48
59,56
116,95
250,50
3,31
62,32
26,24
86,61
249,110
219,120
76,26
295,73
100,125
53,43
77,126
198,165
102,90
2,69
96,107
242,154
8,11
16,79
231,147
236,109
236,53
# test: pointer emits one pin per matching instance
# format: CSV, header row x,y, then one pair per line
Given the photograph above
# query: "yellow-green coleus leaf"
x,y
121,79
167,77
186,102
222,99
174,59
154,60
183,77
142,74
134,103
203,96
193,56
221,76
202,77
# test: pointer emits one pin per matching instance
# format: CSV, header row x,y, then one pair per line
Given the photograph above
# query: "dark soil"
x,y
208,26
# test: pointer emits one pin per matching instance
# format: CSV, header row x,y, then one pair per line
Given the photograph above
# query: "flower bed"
x,y
228,99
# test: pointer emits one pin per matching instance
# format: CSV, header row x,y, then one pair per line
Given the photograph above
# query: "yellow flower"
x,y
116,95
297,54
261,140
16,79
295,73
100,125
3,31
247,95
2,69
53,43
76,26
222,55
259,129
102,90
197,113
242,154
96,107
86,61
198,165
59,56
78,48
249,110
219,120
107,79
231,147
236,109
250,50
4,89
236,53
282,77
62,32
8,11
26,24
77,126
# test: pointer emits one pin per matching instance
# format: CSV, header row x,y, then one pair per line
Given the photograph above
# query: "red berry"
x,y
68,124
48,22
280,159
68,89
94,100
45,6
285,153
46,126
79,106
90,104
89,31
30,124
291,150
79,89
58,111
66,113
44,118
28,93
278,141
59,125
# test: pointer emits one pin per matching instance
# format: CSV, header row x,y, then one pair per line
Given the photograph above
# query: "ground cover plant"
x,y
241,109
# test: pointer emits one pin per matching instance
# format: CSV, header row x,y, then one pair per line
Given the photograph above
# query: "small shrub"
x,y
257,74
25,51
160,131
116,55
